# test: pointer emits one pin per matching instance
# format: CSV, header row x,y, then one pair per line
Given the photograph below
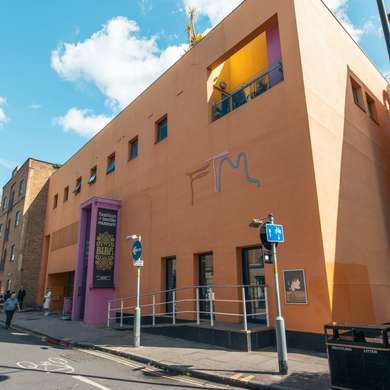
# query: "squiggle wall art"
x,y
217,163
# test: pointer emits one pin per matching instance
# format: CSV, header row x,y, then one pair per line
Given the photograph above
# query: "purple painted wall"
x,y
95,310
274,52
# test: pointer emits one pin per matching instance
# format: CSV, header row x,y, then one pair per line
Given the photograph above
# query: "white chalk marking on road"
x,y
151,370
89,382
19,334
248,378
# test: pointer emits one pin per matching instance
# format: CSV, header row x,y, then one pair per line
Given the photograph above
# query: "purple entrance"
x,y
96,273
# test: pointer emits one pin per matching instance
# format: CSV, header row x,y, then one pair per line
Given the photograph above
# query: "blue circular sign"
x,y
136,250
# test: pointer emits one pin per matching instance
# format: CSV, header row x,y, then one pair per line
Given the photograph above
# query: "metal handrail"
x,y
208,297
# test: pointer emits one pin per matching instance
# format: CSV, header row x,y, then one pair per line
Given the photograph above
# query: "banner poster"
x,y
295,286
104,260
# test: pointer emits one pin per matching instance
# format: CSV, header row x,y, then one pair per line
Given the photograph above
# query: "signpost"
x,y
270,235
136,253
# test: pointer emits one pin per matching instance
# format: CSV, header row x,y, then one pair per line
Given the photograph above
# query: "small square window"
x,y
77,188
55,202
111,163
66,194
133,148
357,94
371,108
162,129
93,175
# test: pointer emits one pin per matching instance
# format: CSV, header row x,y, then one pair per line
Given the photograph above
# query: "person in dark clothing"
x,y
10,306
7,295
21,295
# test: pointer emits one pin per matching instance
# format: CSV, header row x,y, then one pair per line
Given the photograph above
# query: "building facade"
x,y
276,109
22,216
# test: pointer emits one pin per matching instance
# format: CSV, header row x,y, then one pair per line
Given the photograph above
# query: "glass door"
x,y
170,282
254,280
206,278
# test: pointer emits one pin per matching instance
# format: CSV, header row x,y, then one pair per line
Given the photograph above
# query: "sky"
x,y
67,67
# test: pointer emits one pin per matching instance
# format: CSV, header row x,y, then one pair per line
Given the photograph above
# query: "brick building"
x,y
22,215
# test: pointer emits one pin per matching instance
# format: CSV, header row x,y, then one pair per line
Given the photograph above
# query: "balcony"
x,y
248,91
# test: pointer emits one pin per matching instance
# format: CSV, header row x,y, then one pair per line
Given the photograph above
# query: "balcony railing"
x,y
248,91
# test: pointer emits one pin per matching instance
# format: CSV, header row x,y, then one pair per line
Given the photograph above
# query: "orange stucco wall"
x,y
283,144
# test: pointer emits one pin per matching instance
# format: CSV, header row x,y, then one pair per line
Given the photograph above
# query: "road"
x,y
29,362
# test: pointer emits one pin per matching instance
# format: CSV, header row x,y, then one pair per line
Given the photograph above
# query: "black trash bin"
x,y
359,356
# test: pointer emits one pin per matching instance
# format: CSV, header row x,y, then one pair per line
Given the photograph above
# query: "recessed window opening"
x,y
93,175
77,188
133,148
162,129
111,163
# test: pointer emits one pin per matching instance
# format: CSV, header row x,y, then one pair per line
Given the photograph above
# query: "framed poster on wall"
x,y
295,286
104,261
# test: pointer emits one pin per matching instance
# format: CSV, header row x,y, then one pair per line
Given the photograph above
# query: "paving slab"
x,y
256,369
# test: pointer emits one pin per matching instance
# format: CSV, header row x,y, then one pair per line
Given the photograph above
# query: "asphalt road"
x,y
29,362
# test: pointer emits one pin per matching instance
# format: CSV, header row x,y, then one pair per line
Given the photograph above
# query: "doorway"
x,y
170,283
254,281
206,279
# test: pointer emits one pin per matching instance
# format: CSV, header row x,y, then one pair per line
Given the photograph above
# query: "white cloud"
x,y
35,106
3,116
215,10
340,9
116,59
7,164
82,121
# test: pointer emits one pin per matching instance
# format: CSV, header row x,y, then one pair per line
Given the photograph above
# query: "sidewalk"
x,y
252,370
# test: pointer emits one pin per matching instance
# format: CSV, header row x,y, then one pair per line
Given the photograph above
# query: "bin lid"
x,y
346,326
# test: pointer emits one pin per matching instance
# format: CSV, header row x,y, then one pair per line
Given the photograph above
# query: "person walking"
x,y
10,306
21,295
46,302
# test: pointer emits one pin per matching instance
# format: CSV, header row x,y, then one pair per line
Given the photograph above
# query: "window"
x,y
55,201
11,199
66,194
17,218
5,203
357,94
6,233
371,108
4,257
92,175
133,148
111,163
21,188
162,129
77,188
1,229
12,254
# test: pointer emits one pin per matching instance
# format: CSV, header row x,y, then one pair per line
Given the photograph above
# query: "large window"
x,y
357,94
111,163
12,254
133,148
17,218
371,108
5,203
21,188
162,129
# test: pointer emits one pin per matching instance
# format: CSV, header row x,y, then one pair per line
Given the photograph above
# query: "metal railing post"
x,y
244,309
197,306
121,322
211,307
266,304
154,311
174,307
108,314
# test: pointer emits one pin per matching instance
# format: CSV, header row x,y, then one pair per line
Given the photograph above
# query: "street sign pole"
x,y
281,343
138,263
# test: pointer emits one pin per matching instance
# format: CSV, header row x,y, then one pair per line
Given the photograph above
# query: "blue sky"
x,y
68,66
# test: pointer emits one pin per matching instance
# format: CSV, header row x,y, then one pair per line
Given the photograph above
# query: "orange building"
x,y
276,109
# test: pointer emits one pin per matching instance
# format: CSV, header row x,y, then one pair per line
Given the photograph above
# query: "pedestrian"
x,y
7,295
21,295
46,302
10,306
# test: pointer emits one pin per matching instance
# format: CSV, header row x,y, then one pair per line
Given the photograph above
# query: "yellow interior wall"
x,y
243,65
